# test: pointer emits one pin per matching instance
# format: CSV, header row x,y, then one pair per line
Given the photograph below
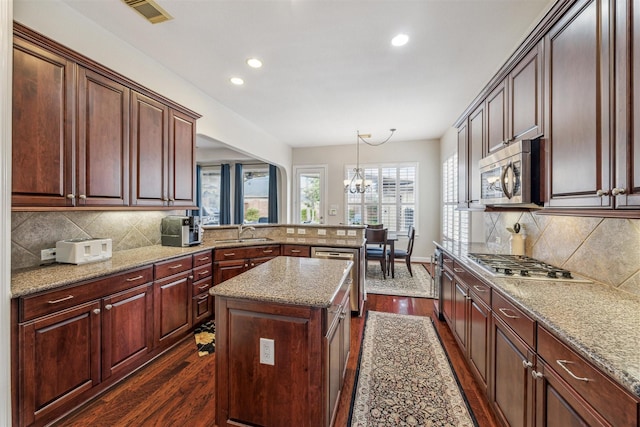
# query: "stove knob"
x,y
524,273
552,274
508,271
567,275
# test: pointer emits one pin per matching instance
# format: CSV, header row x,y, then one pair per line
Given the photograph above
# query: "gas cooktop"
x,y
521,266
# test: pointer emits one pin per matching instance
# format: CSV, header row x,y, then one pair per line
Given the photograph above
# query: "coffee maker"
x,y
179,230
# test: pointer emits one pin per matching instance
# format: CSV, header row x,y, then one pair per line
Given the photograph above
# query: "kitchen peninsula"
x,y
282,342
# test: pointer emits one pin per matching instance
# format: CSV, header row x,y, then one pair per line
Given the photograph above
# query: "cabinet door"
x,y
579,99
345,325
127,329
42,128
525,97
478,343
460,295
59,361
496,111
476,152
511,393
334,366
172,308
627,162
225,270
182,159
447,296
103,141
463,168
149,152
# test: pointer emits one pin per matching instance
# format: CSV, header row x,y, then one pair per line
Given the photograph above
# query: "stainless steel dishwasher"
x,y
346,254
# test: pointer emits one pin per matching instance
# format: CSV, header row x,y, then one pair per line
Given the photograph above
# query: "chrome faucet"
x,y
242,229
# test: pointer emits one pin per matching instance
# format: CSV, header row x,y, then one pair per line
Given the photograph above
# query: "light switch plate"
x,y
341,232
322,232
267,351
302,231
290,231
351,232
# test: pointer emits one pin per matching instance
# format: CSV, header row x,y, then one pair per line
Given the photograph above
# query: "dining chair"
x,y
406,254
377,236
375,226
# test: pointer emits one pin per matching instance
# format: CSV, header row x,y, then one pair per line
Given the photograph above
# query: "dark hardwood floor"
x,y
178,388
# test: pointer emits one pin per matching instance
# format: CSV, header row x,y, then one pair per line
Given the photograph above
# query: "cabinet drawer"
x,y
49,302
202,286
202,258
174,266
447,262
608,398
479,288
264,251
296,250
230,253
202,272
522,324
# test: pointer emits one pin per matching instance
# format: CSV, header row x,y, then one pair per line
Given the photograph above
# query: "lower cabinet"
x,y
230,262
202,281
338,347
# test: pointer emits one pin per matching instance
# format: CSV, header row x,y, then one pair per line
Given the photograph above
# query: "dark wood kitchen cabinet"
x,y
578,64
182,159
496,111
525,91
230,262
471,148
463,166
75,341
42,127
172,300
202,282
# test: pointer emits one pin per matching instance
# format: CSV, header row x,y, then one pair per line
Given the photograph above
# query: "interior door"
x,y
310,195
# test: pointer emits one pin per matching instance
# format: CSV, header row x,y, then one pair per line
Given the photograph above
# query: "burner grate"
x,y
519,265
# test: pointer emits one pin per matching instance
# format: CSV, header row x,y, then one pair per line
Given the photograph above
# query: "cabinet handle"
x,y
171,199
467,297
618,191
601,193
295,251
448,261
71,196
96,311
230,254
133,279
267,251
204,258
246,265
190,277
82,196
203,297
536,375
173,267
562,364
108,307
164,199
480,288
527,364
503,311
203,273
67,298
458,270
202,288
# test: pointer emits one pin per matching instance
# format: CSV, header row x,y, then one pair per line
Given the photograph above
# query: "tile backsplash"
x,y
606,250
34,231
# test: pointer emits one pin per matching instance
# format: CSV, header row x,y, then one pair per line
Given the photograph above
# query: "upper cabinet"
x,y
578,62
87,137
471,147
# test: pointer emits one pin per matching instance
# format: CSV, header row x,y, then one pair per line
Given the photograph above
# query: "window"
x,y
210,195
256,193
455,223
391,200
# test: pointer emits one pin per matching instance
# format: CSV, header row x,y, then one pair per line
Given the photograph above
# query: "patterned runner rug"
x,y
205,336
420,285
404,377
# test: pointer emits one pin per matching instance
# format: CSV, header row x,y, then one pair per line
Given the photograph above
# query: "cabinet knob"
x,y
164,199
601,193
172,199
71,196
82,196
526,364
96,311
108,307
617,191
536,375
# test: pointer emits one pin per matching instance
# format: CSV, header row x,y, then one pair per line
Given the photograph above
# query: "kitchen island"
x,y
282,342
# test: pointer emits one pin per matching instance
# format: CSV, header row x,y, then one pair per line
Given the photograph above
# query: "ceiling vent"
x,y
151,11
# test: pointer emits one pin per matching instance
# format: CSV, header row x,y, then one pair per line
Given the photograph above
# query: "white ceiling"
x,y
329,68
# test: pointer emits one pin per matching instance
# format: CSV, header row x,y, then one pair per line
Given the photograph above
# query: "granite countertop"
x,y
32,280
288,280
598,321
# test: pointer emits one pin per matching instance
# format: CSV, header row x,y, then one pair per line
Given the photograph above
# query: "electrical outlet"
x,y
302,231
341,233
48,254
322,232
267,351
290,231
351,232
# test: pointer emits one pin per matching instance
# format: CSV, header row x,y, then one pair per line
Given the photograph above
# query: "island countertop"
x,y
289,280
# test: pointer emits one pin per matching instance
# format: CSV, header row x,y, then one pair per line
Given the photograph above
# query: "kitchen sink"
x,y
244,240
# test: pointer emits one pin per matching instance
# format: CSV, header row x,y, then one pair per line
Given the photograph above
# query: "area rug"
x,y
205,336
420,285
404,377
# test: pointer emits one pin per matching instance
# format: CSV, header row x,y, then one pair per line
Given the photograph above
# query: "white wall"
x,y
6,19
63,24
425,153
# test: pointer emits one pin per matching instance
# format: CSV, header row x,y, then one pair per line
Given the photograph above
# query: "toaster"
x,y
81,251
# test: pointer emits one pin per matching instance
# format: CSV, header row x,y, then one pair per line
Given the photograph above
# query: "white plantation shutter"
x,y
455,223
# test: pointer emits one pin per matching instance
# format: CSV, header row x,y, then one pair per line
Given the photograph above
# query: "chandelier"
x,y
358,183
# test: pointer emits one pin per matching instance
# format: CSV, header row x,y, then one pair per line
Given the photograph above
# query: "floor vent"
x,y
151,11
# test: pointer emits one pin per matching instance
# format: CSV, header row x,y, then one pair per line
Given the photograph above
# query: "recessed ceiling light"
x,y
254,63
400,40
236,81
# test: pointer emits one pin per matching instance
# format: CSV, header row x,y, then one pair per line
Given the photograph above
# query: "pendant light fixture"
x,y
358,183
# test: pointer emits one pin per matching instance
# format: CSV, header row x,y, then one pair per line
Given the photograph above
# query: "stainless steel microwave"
x,y
511,176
